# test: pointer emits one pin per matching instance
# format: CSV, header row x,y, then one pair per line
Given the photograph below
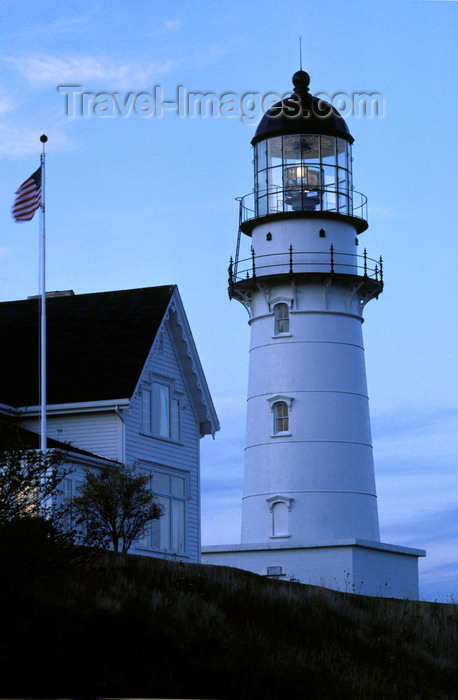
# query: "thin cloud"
x,y
59,26
380,212
170,26
4,251
22,141
70,23
411,418
44,69
213,54
6,105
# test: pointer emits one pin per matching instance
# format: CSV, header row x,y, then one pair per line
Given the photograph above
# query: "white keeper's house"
x,y
309,507
124,384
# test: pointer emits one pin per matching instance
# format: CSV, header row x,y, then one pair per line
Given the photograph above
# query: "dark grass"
x,y
88,624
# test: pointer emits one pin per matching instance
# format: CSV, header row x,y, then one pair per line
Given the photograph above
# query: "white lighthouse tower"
x,y
309,504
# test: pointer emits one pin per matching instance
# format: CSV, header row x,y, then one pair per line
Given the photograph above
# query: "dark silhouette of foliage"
x,y
30,546
114,507
29,478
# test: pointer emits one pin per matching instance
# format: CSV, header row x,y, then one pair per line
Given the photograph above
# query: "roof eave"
x,y
76,407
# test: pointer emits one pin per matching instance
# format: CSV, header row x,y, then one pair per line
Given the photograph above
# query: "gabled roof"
x,y
97,345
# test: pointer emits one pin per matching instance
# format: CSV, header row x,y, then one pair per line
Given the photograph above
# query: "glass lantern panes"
x,y
303,172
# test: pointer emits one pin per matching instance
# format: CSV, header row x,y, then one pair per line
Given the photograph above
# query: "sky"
x,y
137,197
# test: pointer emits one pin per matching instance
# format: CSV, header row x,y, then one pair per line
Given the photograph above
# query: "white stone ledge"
x,y
365,544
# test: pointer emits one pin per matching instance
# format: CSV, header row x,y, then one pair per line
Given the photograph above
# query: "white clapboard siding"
x,y
179,457
100,433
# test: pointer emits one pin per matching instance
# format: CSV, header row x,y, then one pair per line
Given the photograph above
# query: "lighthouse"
x,y
309,506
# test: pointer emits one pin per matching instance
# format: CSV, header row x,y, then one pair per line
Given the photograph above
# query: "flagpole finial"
x,y
43,138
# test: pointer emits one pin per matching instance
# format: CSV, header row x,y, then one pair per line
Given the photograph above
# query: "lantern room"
x,y
303,172
303,160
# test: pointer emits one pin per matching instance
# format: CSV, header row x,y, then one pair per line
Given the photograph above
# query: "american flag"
x,y
28,198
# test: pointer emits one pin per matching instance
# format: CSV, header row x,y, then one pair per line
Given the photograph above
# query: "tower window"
x,y
281,417
280,519
280,507
281,313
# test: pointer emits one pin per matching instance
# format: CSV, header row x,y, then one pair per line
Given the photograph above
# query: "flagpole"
x,y
43,441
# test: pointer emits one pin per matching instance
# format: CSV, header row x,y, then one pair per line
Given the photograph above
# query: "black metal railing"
x,y
277,200
298,262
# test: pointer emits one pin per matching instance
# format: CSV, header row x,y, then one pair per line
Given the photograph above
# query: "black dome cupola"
x,y
302,113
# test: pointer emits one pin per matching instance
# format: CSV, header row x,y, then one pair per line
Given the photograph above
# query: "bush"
x,y
32,546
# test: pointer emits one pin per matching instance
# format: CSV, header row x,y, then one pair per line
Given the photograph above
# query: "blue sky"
x,y
148,200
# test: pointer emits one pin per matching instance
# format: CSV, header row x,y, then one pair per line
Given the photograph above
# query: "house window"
x,y
281,314
64,497
67,489
169,531
160,412
281,417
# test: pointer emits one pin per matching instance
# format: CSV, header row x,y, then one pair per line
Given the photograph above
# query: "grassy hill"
x,y
97,624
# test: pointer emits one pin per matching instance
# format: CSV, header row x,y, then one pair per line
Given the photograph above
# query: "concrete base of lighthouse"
x,y
351,565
